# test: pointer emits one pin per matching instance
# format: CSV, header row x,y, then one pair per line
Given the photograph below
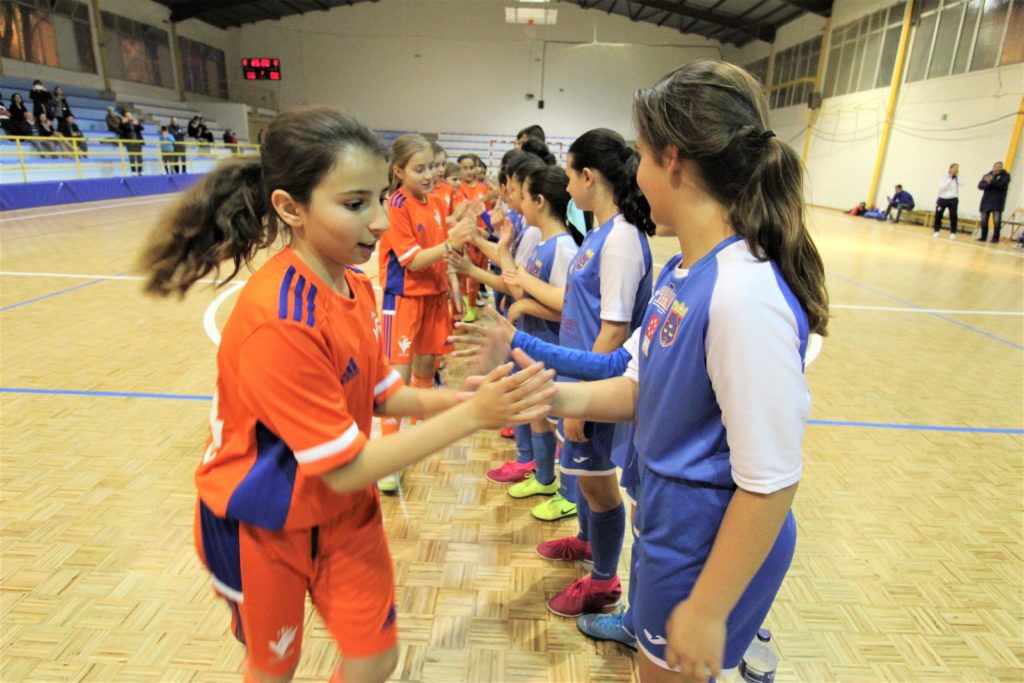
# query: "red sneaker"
x,y
511,472
508,433
569,549
584,597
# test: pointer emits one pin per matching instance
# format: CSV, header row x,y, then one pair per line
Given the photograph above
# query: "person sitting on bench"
x,y
901,201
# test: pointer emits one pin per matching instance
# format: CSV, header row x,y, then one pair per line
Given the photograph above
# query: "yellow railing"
x,y
116,157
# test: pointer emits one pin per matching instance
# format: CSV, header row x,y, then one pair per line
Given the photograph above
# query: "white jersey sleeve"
x,y
633,346
622,269
753,360
565,252
527,245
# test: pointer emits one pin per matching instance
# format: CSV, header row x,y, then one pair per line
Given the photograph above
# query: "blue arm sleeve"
x,y
584,365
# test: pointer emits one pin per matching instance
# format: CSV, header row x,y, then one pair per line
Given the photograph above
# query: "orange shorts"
x,y
264,576
416,326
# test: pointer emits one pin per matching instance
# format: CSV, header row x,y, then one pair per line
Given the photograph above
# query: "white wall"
x,y
456,66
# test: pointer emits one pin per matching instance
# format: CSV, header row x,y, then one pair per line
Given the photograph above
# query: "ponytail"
x,y
552,183
228,214
606,152
225,216
715,114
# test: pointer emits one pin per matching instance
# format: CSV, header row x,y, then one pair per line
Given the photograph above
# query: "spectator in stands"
x,y
166,150
949,197
231,139
60,107
130,130
42,100
178,134
901,200
5,117
525,134
113,120
20,123
993,200
205,134
70,130
44,129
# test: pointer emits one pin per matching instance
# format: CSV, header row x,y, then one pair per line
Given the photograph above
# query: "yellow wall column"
x,y
894,88
1015,138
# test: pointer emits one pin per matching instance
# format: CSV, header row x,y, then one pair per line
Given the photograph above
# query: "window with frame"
x,y
958,36
137,52
203,68
793,74
759,70
50,32
862,54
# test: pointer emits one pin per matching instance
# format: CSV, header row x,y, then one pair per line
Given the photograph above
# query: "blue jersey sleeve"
x,y
584,365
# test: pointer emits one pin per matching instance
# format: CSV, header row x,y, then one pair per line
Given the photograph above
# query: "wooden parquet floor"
x,y
910,558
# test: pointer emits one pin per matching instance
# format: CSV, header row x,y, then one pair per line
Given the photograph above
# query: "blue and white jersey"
x,y
550,263
719,359
609,279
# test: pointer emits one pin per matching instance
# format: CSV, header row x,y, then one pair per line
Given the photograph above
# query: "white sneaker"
x,y
935,235
952,237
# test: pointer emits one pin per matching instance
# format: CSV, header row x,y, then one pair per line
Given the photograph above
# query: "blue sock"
x,y
544,456
582,515
634,560
524,444
606,531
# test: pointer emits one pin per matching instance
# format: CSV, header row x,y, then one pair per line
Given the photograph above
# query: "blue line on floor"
x,y
63,291
823,423
106,394
913,305
921,428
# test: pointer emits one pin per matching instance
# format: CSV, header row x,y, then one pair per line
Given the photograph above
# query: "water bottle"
x,y
759,661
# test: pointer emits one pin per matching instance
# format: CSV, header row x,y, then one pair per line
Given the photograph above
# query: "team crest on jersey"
x,y
663,298
582,259
351,371
419,227
652,326
535,267
672,324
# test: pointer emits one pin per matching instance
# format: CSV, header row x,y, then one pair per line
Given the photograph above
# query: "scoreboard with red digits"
x,y
261,68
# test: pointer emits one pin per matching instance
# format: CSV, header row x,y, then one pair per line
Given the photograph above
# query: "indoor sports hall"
x,y
909,560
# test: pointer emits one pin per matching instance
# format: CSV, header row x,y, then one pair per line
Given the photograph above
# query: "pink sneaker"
x,y
584,597
508,433
569,549
511,472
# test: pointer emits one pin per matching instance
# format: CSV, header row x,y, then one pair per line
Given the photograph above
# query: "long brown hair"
x,y
228,215
715,114
404,148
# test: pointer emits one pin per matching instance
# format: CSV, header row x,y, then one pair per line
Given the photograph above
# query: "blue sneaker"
x,y
606,627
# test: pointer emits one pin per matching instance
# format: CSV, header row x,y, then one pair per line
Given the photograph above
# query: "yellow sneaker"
x,y
531,487
553,509
389,483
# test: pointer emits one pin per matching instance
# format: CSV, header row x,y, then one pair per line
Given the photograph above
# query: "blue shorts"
x,y
626,458
678,522
592,457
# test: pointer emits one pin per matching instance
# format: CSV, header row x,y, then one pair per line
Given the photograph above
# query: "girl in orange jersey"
x,y
414,273
286,498
470,190
442,188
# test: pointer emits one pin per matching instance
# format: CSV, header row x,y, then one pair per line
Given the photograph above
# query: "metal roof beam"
x,y
759,31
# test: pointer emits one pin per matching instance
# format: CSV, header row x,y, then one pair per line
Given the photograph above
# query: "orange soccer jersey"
x,y
415,225
299,372
444,190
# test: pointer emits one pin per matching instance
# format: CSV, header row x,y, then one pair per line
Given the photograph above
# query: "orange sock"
x,y
419,382
389,425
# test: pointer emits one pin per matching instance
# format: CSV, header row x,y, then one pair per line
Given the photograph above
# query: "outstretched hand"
x,y
501,399
487,343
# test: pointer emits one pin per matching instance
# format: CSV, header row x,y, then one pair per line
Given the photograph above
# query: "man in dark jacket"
x,y
993,200
901,201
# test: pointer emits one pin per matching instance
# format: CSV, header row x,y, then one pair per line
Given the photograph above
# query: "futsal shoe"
x,y
470,316
388,484
586,596
569,549
529,486
607,627
555,509
511,472
508,433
